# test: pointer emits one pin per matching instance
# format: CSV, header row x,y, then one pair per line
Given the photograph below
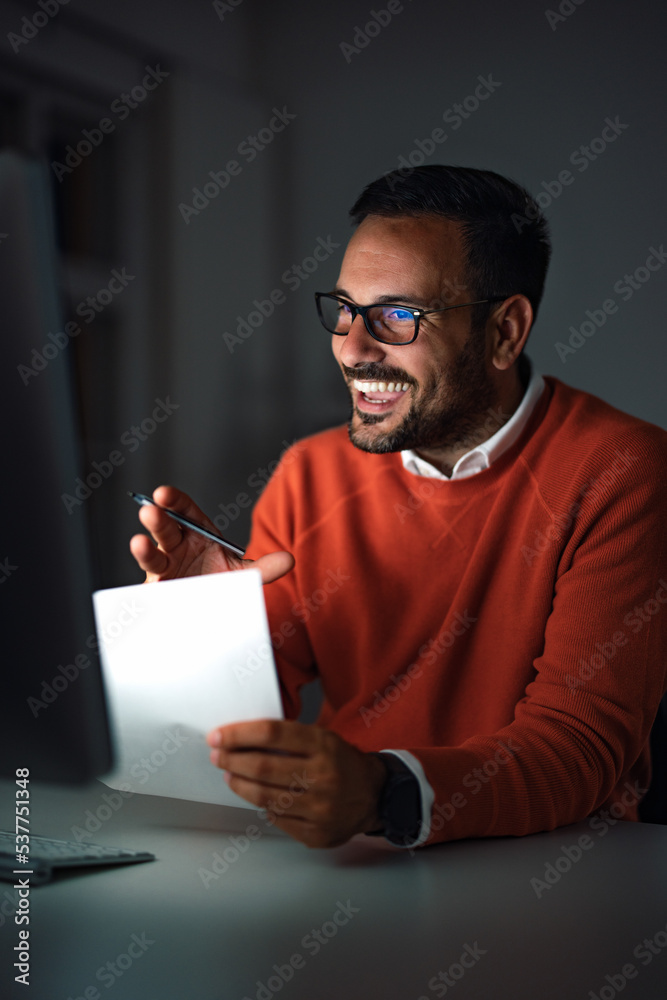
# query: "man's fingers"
x,y
166,532
182,552
181,503
273,734
279,771
265,797
251,771
292,815
153,561
274,565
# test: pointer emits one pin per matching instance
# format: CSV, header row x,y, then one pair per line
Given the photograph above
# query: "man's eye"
x,y
397,315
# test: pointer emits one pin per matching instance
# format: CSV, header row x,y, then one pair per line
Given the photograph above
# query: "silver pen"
x,y
144,500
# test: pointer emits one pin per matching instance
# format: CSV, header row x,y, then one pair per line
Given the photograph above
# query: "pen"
x,y
143,500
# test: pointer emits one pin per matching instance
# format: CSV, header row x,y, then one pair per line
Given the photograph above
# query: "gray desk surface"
x,y
409,916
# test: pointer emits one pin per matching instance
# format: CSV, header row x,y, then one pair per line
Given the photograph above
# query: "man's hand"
x,y
181,552
319,788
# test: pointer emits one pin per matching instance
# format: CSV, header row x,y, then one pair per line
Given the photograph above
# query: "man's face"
x,y
415,261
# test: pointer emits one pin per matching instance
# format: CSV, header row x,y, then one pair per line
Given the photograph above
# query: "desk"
x,y
388,921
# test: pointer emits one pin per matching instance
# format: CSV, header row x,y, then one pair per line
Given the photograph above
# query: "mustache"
x,y
376,373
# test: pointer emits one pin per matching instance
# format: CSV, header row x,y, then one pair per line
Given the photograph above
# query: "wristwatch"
x,y
400,803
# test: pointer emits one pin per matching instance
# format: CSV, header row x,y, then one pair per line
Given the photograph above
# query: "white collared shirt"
x,y
488,451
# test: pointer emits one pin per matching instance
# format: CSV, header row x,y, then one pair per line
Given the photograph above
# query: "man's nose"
x,y
359,347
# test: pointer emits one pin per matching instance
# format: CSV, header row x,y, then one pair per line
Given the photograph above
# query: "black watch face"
x,y
402,812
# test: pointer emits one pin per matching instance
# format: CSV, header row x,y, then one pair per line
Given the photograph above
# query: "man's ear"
x,y
510,326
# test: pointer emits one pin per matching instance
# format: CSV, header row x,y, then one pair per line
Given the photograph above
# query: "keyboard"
x,y
47,855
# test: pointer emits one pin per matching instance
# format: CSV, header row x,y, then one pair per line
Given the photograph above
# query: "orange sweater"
x,y
509,629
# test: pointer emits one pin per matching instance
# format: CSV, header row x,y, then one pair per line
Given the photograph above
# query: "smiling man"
x,y
464,566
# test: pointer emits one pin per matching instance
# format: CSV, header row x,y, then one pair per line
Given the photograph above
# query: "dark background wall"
x,y
362,100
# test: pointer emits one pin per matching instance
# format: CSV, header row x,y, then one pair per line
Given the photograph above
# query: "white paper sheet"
x,y
179,658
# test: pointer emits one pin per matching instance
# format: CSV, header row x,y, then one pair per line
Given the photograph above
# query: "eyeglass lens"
x,y
389,323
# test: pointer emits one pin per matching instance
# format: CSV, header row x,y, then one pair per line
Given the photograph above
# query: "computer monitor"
x,y
53,717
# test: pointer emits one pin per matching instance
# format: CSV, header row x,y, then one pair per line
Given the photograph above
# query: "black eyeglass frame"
x,y
416,312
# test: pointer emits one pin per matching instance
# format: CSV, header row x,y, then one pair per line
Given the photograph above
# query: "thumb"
x,y
274,565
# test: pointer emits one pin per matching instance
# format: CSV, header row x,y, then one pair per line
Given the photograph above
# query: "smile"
x,y
379,396
381,386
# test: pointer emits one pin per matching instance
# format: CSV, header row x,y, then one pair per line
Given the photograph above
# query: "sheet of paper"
x,y
179,658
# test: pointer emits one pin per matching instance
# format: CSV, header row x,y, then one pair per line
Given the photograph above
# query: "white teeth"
x,y
380,386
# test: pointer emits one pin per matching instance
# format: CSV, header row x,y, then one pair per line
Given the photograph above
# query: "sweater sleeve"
x,y
579,735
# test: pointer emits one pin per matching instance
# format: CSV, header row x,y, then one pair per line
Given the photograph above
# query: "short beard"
x,y
457,423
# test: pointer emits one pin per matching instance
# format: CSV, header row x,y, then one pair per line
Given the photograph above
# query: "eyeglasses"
x,y
390,322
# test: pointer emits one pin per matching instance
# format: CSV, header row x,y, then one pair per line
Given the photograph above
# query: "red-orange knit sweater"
x,y
522,608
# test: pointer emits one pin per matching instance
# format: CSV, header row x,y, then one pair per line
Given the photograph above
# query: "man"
x,y
475,568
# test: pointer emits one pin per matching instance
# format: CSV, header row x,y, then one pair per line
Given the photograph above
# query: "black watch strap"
x,y
400,803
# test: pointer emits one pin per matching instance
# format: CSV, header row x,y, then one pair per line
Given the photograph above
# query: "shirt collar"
x,y
483,456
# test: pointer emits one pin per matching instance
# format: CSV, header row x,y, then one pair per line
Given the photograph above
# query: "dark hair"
x,y
505,236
